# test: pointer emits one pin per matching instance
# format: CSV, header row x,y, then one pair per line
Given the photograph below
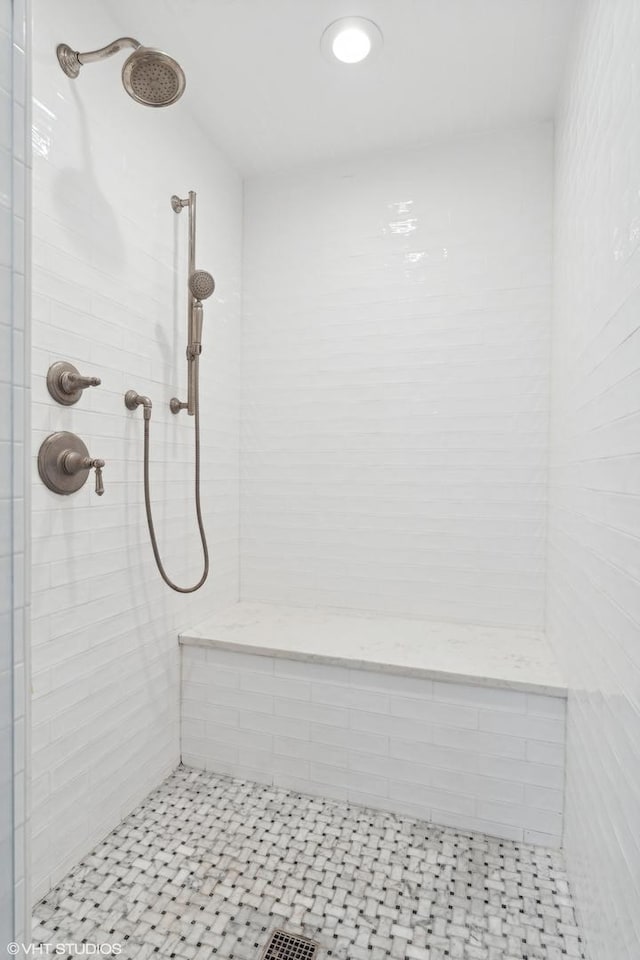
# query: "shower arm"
x,y
193,358
94,55
71,60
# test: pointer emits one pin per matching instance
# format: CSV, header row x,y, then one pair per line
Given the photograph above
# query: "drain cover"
x,y
286,946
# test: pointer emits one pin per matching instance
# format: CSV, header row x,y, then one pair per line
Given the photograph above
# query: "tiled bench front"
x,y
477,752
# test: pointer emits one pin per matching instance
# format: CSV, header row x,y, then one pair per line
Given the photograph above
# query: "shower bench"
x,y
459,724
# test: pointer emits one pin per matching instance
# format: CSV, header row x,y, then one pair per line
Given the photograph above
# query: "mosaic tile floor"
x,y
209,866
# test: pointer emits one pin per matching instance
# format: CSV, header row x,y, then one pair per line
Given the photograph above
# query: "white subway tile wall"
x,y
6,468
467,757
395,381
13,513
109,264
594,521
21,352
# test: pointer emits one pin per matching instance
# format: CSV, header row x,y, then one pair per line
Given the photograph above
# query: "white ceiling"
x,y
258,83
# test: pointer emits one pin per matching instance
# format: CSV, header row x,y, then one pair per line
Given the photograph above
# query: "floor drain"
x,y
286,946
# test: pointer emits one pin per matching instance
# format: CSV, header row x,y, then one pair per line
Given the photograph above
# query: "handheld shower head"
x,y
149,76
201,284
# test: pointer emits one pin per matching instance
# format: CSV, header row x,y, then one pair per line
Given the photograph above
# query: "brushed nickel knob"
x,y
65,383
64,464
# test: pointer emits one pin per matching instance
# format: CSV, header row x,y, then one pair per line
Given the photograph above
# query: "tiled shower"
x,y
401,717
412,324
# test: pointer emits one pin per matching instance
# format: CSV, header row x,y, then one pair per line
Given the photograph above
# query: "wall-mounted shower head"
x,y
149,76
201,284
153,78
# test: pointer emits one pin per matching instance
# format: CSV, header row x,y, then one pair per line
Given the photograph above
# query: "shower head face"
x,y
201,284
153,78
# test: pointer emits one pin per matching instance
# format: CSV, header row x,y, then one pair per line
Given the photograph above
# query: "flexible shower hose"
x,y
147,499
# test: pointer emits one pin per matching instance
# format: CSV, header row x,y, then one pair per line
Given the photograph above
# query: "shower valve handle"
x,y
74,381
65,383
99,464
73,463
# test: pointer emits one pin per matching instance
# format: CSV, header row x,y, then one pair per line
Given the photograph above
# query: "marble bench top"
x,y
505,657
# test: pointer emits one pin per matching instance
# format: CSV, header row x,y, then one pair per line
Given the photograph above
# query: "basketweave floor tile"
x,y
209,867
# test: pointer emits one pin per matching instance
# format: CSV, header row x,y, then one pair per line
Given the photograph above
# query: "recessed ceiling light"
x,y
351,40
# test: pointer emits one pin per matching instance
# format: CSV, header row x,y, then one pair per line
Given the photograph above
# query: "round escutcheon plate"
x,y
52,473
